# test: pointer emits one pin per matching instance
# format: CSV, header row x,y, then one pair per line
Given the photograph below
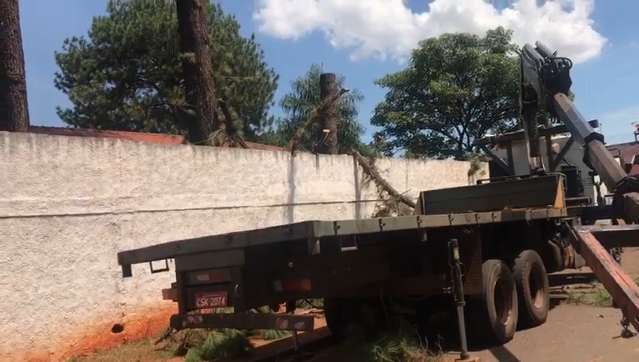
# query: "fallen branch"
x,y
167,333
371,170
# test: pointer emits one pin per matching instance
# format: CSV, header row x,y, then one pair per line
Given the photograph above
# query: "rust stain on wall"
x,y
94,337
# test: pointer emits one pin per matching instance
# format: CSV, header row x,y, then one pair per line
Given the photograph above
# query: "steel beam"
x,y
621,287
244,321
615,236
597,156
506,167
532,192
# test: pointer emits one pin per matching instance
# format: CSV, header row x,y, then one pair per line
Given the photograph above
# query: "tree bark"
x,y
197,67
328,115
14,113
312,117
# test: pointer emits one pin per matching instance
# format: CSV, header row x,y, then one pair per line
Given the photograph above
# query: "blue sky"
x,y
605,84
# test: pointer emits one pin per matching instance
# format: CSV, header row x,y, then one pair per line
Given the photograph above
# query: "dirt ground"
x,y
630,261
572,333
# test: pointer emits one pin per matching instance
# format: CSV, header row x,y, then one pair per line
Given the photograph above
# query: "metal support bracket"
x,y
560,156
501,163
160,270
454,261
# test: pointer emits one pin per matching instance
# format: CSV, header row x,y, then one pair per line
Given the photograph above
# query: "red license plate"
x,y
210,299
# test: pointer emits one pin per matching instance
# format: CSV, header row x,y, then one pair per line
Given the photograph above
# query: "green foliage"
x,y
303,98
273,334
402,348
310,303
222,344
127,74
455,89
602,298
596,296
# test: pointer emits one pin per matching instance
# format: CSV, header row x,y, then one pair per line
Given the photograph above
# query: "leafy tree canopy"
x,y
127,74
455,89
303,98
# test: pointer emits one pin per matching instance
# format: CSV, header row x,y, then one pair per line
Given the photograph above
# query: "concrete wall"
x,y
68,205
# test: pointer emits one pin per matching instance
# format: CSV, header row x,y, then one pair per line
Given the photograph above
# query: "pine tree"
x,y
126,74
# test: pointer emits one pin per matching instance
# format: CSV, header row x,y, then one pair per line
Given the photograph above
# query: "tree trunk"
x,y
198,71
14,114
328,115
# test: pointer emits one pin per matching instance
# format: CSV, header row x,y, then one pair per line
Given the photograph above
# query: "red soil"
x,y
105,335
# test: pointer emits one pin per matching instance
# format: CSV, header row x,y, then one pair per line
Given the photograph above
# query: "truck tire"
x,y
532,288
494,315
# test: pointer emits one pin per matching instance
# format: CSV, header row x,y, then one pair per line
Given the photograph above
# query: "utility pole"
x,y
328,113
14,114
198,71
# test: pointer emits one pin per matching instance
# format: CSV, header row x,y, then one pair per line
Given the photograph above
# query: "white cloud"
x,y
382,28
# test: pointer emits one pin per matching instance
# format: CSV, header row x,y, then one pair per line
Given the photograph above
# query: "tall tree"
x,y
328,113
197,69
455,89
303,99
127,73
14,113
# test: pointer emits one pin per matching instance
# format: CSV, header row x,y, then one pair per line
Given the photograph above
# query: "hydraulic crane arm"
x,y
599,159
595,153
546,86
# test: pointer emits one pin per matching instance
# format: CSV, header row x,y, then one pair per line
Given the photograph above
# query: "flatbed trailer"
x,y
491,244
369,261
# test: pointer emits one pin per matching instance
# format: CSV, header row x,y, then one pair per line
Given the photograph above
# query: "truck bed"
x,y
314,230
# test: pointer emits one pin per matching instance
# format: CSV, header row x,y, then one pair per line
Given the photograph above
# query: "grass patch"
x,y
402,348
196,345
597,297
273,334
401,345
602,298
226,343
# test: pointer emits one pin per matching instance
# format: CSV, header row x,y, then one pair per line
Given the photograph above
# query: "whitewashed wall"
x,y
68,205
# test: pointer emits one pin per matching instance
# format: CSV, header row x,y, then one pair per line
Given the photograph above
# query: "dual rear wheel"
x,y
532,288
509,298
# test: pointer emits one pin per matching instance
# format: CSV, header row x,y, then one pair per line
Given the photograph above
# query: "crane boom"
x,y
546,86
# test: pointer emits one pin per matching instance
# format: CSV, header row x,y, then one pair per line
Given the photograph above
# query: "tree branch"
x,y
229,126
371,170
